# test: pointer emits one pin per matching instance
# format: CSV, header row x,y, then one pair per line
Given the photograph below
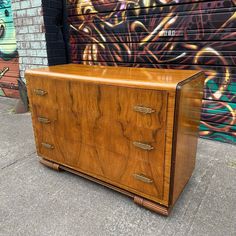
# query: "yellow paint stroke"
x,y
191,46
211,75
85,7
163,61
233,17
158,28
209,50
3,71
136,24
95,40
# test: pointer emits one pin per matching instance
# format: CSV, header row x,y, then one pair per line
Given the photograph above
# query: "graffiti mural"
x,y
9,65
186,34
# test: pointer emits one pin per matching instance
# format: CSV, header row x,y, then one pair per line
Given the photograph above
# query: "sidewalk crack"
x,y
16,161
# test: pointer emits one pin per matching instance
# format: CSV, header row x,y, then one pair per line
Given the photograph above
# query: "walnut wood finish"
x,y
161,79
126,127
97,133
152,206
188,112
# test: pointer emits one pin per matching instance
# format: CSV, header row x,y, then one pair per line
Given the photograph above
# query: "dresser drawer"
x,y
42,91
73,125
137,107
135,171
48,147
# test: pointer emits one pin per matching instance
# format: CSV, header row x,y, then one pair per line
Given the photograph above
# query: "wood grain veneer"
x,y
133,130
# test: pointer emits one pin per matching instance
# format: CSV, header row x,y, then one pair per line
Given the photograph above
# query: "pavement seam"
x,y
18,160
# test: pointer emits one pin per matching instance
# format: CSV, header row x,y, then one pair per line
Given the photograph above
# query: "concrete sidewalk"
x,y
35,200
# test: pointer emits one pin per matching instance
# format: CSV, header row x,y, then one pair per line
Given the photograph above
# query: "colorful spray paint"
x,y
9,65
187,34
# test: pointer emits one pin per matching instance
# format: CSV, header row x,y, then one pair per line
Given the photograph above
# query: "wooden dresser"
x,y
134,130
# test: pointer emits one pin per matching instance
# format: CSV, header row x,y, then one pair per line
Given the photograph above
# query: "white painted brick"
x,y
36,3
27,21
22,53
20,37
24,45
30,37
43,45
40,37
38,61
45,61
15,5
34,28
38,20
25,4
34,11
42,53
22,30
35,45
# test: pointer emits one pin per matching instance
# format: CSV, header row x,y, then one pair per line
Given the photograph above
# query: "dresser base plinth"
x,y
150,205
50,164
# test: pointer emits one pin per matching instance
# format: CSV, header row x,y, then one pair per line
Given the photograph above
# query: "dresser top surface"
x,y
150,78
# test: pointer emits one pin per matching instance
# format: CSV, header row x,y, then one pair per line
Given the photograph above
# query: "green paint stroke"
x,y
1,93
7,32
229,137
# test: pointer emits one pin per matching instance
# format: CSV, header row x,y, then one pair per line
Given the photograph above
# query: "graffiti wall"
x,y
183,34
9,65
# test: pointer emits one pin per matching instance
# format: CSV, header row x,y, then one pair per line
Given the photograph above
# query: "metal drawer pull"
x,y
143,178
44,120
143,146
48,146
144,110
40,92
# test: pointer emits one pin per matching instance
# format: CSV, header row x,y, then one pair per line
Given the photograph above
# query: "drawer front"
x,y
81,130
115,133
137,107
42,91
137,171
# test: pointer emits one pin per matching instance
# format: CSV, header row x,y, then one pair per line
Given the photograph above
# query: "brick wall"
x,y
39,33
30,34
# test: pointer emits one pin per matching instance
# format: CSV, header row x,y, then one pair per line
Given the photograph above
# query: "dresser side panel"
x,y
187,120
